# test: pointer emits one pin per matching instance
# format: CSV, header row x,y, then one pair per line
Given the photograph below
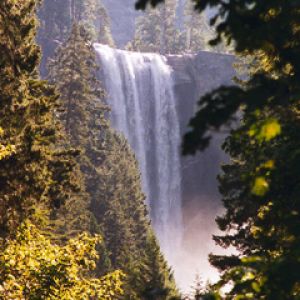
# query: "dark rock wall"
x,y
194,76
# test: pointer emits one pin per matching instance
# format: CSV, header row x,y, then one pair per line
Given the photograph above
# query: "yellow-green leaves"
x,y
255,231
269,164
31,267
270,129
265,131
6,150
260,186
264,210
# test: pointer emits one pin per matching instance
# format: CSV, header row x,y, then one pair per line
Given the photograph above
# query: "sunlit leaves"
x,y
269,130
31,267
264,210
31,172
260,186
270,164
265,131
6,151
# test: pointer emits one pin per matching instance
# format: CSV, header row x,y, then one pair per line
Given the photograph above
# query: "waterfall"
x,y
140,92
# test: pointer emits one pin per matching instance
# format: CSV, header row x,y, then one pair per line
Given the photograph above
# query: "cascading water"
x,y
140,93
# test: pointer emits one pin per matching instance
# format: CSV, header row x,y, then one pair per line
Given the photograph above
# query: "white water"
x,y
140,93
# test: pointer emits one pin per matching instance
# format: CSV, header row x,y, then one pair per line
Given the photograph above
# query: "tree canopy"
x,y
260,186
32,267
111,175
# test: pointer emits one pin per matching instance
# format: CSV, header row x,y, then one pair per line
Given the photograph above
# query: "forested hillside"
x,y
74,223
68,178
110,172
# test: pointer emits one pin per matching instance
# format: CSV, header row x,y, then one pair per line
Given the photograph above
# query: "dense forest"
x,y
74,223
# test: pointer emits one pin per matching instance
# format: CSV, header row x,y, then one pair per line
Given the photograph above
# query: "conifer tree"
x,y
77,85
95,19
265,227
55,22
156,280
37,173
104,34
260,186
197,32
112,178
198,289
156,30
56,19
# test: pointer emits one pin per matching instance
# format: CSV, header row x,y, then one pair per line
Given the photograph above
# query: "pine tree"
x,y
112,178
56,19
156,280
55,22
77,85
79,107
156,30
198,289
197,32
38,172
95,19
104,35
265,227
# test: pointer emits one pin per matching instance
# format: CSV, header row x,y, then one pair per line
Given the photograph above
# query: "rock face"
x,y
196,75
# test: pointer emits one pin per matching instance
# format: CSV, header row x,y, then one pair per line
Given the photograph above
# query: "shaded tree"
x,y
56,19
156,30
38,171
197,32
110,169
260,187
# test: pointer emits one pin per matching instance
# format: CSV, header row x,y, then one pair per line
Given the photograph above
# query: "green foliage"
x,y
197,32
31,267
112,179
77,85
260,192
93,16
260,187
156,30
73,72
155,280
102,21
6,150
56,19
123,218
37,172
